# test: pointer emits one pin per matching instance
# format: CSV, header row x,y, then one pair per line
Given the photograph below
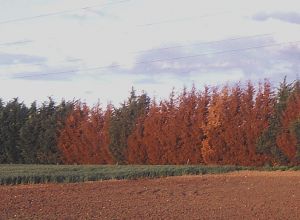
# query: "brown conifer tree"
x,y
82,140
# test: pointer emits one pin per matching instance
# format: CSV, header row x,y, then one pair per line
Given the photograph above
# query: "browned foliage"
x,y
287,139
84,138
215,126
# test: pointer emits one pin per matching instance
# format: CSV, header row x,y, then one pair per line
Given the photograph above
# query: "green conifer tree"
x,y
12,118
122,123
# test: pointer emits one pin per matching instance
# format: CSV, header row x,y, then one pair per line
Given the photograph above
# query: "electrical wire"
x,y
14,43
182,19
164,48
204,43
161,60
61,12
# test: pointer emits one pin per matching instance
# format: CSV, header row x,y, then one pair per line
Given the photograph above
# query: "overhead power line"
x,y
61,12
182,19
85,8
115,3
68,61
21,42
203,43
164,48
161,60
15,43
93,6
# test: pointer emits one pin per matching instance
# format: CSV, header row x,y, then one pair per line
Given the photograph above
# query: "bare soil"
x,y
238,195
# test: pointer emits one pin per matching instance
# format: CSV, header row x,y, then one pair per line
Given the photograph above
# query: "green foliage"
x,y
29,135
2,156
12,118
123,121
284,92
296,130
267,142
38,137
32,174
24,174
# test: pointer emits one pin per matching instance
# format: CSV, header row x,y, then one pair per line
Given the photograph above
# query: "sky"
x,y
97,50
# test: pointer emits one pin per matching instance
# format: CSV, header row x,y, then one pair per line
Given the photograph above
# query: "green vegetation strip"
x,y
33,174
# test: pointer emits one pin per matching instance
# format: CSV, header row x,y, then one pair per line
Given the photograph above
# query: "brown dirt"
x,y
238,195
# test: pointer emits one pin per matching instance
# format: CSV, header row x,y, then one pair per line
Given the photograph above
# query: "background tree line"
x,y
241,124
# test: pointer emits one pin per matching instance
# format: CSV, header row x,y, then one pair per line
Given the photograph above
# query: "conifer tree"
x,y
29,134
38,136
267,144
152,135
122,123
83,140
287,139
214,146
12,118
2,154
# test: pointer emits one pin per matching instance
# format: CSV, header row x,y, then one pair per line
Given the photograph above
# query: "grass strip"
x,y
13,174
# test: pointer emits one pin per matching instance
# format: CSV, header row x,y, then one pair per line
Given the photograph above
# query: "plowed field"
x,y
238,195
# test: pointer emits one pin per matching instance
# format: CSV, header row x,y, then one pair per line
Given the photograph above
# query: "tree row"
x,y
241,124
